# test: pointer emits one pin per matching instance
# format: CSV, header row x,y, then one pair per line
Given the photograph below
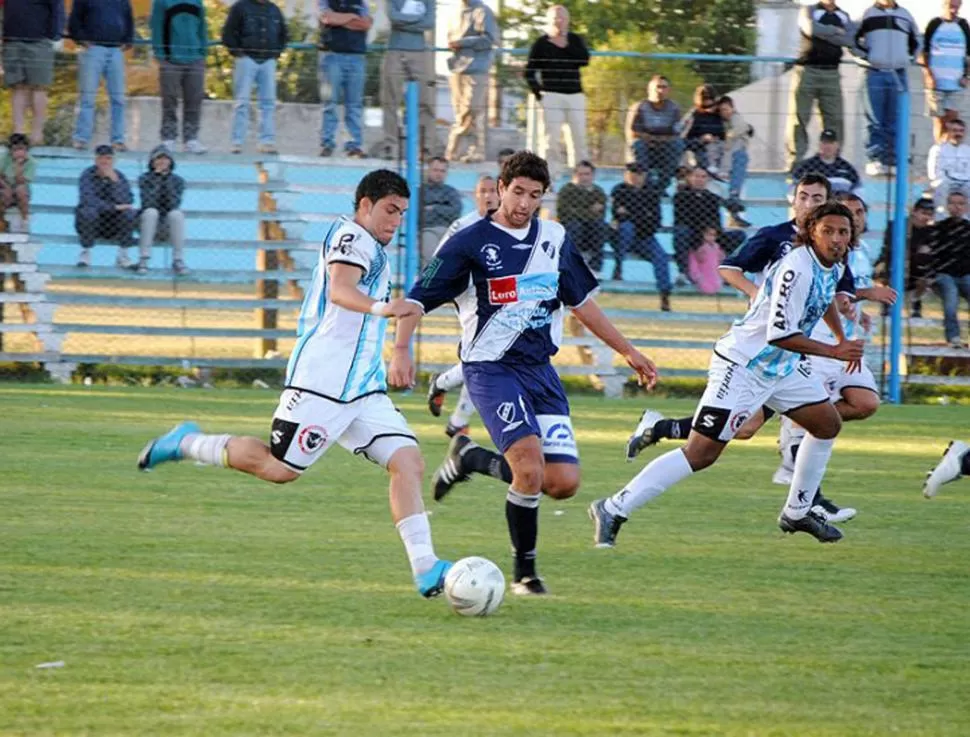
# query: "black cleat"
x,y
830,511
451,471
606,525
436,396
453,430
528,586
811,523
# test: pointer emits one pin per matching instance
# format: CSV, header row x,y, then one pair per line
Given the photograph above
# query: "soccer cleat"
x,y
450,472
528,586
782,476
830,511
432,582
812,524
436,396
451,430
167,447
947,470
643,436
606,525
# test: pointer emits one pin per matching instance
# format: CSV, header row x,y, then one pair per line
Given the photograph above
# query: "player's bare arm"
x,y
737,279
344,293
400,372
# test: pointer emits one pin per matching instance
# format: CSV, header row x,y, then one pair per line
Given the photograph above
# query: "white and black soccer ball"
x,y
475,587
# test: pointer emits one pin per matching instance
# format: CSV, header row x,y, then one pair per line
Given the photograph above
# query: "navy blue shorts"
x,y
515,403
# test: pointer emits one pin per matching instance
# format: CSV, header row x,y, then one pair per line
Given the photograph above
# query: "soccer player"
x,y
955,464
510,275
486,200
336,380
760,361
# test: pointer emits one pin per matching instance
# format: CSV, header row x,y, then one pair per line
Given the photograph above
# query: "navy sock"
x,y
965,464
481,460
522,516
673,429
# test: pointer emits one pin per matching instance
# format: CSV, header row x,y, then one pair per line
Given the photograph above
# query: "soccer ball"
x,y
475,587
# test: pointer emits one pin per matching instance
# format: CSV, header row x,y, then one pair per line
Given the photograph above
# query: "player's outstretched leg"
x,y
464,458
954,464
790,440
441,384
645,434
462,415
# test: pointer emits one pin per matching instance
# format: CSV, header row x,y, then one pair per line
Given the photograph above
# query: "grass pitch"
x,y
193,601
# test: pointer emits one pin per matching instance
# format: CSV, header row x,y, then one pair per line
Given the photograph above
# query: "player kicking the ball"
x,y
336,379
511,275
760,361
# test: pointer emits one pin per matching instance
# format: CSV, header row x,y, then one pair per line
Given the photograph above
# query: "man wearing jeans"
x,y
180,38
952,261
581,209
343,54
255,33
103,29
887,38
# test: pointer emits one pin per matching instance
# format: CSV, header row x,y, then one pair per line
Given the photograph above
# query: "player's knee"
x,y
407,463
865,405
563,485
527,477
829,428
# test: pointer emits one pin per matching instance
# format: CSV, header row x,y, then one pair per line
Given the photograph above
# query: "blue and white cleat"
x,y
432,582
166,447
950,468
643,436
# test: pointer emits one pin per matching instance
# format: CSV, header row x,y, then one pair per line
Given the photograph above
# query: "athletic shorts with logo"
x,y
306,425
734,393
835,378
515,403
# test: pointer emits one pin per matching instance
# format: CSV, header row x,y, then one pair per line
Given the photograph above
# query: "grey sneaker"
x,y
84,258
121,260
142,267
950,468
812,524
643,436
606,526
450,472
179,267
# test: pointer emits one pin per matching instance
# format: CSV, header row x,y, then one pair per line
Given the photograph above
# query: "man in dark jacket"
x,y
161,203
695,208
440,207
30,30
581,208
255,33
104,29
104,210
180,38
951,261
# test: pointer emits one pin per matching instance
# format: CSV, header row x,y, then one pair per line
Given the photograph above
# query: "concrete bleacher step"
x,y
21,298
203,303
202,276
205,243
272,185
282,216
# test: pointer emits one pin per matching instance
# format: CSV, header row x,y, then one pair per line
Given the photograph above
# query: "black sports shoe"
x,y
436,396
450,472
528,586
606,525
452,430
811,523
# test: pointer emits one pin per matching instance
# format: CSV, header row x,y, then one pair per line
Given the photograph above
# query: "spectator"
x,y
636,213
552,73
829,163
886,38
30,30
104,209
343,64
581,208
255,33
104,30
946,48
919,253
703,262
441,206
951,260
409,58
160,189
471,40
948,163
825,29
695,209
504,155
735,163
180,40
703,129
17,170
653,133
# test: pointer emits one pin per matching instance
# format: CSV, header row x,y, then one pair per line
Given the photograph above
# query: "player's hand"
x,y
401,307
849,351
645,368
400,372
880,293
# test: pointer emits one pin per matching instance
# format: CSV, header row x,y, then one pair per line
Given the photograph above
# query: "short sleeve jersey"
x,y
860,261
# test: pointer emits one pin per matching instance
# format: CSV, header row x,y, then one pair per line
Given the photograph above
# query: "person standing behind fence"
x,y
653,133
887,38
104,210
180,39
472,38
255,33
946,48
104,30
409,58
30,30
343,63
440,207
825,30
160,189
552,73
581,209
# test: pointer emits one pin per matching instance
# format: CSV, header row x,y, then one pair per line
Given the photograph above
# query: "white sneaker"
x,y
122,261
947,470
783,476
643,436
169,146
84,258
195,147
876,169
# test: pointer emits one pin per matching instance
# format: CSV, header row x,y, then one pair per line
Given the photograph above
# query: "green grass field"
x,y
193,601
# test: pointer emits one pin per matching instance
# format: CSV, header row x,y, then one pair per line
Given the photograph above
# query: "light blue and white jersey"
x,y
792,300
946,45
339,354
860,262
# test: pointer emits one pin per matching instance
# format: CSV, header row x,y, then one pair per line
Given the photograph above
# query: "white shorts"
x,y
834,377
734,393
306,425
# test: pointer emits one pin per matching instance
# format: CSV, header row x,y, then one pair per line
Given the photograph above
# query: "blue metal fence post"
x,y
900,214
413,175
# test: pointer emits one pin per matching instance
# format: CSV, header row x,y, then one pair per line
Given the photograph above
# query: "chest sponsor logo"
x,y
503,290
506,290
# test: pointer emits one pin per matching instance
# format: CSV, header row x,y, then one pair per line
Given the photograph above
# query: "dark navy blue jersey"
x,y
509,291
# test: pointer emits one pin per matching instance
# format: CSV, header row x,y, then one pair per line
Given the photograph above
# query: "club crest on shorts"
x,y
738,420
507,413
311,439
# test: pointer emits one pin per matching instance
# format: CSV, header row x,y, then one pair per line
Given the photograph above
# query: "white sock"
x,y
813,457
451,379
463,410
415,533
796,436
208,449
659,475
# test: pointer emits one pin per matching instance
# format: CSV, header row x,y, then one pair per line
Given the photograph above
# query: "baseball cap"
x,y
104,150
924,203
829,136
